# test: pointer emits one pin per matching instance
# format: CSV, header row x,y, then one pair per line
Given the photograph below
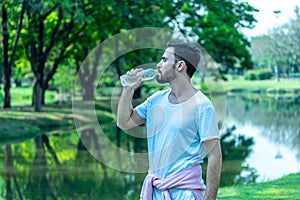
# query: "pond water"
x,y
260,141
274,123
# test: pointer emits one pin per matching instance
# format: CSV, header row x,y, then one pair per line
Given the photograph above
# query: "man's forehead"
x,y
169,51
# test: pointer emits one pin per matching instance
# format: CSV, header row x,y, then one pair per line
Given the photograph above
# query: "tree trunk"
x,y
88,91
298,65
43,96
6,89
277,73
6,67
6,60
6,86
37,96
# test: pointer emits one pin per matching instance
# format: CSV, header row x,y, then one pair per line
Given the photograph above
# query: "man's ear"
x,y
180,66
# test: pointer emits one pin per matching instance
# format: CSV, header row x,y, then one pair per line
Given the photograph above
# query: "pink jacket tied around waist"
x,y
190,179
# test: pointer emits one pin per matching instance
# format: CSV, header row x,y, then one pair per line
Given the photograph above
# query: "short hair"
x,y
188,52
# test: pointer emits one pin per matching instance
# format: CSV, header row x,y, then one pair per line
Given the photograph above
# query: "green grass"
x,y
239,84
287,187
269,86
19,124
23,96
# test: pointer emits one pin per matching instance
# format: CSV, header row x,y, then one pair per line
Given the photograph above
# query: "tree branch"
x,y
55,32
28,54
5,37
41,35
97,57
17,36
44,16
61,54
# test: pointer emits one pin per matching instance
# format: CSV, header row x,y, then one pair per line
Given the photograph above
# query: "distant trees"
x,y
61,33
50,30
279,50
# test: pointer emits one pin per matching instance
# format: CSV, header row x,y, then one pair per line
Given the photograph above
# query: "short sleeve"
x,y
207,125
142,109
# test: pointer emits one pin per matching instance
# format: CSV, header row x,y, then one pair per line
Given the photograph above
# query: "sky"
x,y
266,19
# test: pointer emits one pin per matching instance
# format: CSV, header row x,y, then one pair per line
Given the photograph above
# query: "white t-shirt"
x,y
175,133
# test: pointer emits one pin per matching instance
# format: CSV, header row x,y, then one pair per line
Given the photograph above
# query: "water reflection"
x,y
235,149
273,121
48,172
60,167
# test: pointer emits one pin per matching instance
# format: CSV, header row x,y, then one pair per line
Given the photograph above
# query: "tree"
x,y
57,30
216,26
294,40
279,49
260,51
8,55
135,14
51,29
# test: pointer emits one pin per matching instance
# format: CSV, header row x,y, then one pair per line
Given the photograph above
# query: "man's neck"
x,y
181,90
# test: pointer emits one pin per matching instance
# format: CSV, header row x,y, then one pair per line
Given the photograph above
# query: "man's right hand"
x,y
137,84
127,117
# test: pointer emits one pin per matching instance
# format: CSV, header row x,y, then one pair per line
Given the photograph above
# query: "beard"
x,y
167,76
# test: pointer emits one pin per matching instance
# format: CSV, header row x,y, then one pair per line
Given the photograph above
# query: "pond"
x,y
260,141
273,122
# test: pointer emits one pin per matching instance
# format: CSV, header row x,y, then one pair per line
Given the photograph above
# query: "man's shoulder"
x,y
203,102
159,94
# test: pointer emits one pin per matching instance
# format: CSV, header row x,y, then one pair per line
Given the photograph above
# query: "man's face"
x,y
166,67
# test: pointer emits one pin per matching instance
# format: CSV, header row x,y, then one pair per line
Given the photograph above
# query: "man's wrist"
x,y
128,90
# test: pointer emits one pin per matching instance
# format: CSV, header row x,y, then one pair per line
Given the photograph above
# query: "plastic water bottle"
x,y
147,74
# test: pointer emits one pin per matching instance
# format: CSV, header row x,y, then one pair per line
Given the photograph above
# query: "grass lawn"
x,y
271,86
239,84
23,96
287,187
22,123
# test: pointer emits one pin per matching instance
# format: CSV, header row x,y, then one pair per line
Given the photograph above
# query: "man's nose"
x,y
159,65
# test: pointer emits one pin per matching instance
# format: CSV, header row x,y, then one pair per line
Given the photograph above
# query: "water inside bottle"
x,y
149,74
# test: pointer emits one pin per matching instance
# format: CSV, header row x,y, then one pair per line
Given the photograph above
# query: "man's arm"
x,y
127,117
214,155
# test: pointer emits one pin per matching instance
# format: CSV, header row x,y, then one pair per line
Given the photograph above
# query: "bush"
x,y
251,75
262,74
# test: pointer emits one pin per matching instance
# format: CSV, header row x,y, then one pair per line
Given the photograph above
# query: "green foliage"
x,y
204,88
216,27
264,74
261,74
60,34
63,79
280,47
21,71
251,75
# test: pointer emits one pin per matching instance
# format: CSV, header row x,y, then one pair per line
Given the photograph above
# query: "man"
x,y
181,129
